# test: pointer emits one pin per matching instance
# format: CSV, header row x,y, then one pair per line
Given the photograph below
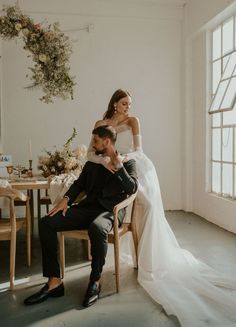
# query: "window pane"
x,y
216,75
216,51
215,177
216,119
219,95
228,36
229,117
225,60
229,97
216,143
227,179
230,65
227,144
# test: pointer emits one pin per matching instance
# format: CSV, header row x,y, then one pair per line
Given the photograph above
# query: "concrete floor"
x,y
131,307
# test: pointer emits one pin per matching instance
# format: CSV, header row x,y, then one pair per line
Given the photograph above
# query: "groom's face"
x,y
100,144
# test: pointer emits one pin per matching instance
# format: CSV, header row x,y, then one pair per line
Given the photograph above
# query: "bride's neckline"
x,y
122,125
122,128
119,123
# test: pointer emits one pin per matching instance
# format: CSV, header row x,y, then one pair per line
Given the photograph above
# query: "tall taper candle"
x,y
30,150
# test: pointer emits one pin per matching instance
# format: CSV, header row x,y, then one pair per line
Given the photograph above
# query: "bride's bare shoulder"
x,y
100,123
133,122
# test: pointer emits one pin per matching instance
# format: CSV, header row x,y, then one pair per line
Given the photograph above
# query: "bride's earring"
x,y
115,111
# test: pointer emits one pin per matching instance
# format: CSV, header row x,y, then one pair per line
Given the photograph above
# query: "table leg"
x,y
31,197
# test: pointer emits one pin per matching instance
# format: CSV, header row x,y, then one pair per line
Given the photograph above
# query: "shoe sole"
x,y
86,305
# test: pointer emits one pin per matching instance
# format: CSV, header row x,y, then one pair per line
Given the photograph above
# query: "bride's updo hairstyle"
x,y
119,94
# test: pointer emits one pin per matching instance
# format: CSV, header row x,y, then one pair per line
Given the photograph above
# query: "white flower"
x,y
80,152
71,163
42,57
18,26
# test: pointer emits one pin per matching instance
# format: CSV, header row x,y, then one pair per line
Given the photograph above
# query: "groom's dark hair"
x,y
105,131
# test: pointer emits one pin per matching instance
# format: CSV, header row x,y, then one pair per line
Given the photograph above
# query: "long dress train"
x,y
186,287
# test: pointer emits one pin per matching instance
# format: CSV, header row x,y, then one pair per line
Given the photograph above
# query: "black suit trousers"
x,y
95,219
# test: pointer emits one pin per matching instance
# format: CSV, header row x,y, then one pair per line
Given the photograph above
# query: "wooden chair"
x,y
9,227
19,203
113,237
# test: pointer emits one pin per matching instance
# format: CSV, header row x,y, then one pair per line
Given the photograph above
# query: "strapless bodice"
x,y
124,142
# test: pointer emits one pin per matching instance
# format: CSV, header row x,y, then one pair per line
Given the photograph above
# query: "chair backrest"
x,y
13,194
129,204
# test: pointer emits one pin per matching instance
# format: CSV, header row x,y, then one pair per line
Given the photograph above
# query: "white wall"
x,y
199,12
137,46
217,210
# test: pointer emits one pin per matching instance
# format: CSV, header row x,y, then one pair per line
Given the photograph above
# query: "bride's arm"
x,y
137,142
137,138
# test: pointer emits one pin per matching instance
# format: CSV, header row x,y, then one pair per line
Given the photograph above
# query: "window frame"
x,y
223,128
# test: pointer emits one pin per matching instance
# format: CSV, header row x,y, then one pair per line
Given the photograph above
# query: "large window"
x,y
223,109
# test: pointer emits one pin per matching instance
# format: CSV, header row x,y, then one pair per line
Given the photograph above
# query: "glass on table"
x,y
10,170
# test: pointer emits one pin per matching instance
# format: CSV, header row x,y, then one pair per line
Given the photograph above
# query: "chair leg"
x,y
31,196
89,250
47,205
135,240
12,259
38,204
117,264
28,233
134,231
62,254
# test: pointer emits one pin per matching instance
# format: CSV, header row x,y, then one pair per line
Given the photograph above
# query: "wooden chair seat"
x,y
113,237
5,228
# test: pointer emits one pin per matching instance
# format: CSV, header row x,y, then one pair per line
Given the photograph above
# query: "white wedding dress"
x,y
187,288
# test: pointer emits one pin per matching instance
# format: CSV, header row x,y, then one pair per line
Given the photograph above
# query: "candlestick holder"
x,y
30,170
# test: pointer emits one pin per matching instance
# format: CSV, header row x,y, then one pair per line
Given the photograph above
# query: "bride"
x,y
184,286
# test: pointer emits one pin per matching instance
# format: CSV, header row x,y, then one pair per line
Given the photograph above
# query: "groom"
x,y
104,189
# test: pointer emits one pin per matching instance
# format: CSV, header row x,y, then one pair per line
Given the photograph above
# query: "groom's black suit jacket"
x,y
102,186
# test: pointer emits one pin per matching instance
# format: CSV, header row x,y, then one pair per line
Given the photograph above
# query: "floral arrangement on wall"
x,y
63,161
50,51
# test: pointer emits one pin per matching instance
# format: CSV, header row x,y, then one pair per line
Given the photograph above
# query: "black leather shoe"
x,y
92,294
44,293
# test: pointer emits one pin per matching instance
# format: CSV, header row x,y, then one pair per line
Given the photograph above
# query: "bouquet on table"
x,y
64,161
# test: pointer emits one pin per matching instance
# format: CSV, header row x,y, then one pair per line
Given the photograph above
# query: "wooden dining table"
x,y
30,185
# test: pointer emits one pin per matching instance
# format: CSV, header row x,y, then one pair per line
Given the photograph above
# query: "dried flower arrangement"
x,y
50,50
64,161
